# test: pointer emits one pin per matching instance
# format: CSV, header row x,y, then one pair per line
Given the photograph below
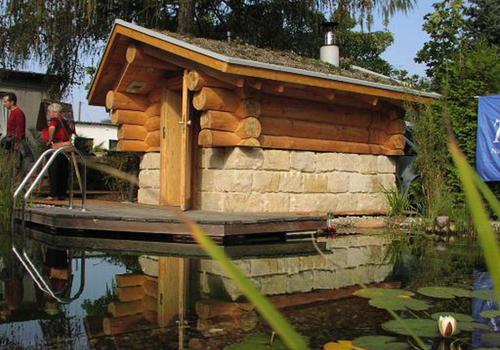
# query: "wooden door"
x,y
175,148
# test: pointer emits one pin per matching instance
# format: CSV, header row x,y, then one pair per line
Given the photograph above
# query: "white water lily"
x,y
447,326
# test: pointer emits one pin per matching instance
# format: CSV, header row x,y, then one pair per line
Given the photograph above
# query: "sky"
x,y
409,37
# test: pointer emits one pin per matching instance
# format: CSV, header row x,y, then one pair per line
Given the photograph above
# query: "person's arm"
x,y
20,125
52,132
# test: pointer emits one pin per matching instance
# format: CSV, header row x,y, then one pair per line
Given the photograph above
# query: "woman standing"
x,y
59,135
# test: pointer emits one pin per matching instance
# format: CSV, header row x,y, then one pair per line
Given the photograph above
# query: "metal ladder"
x,y
70,152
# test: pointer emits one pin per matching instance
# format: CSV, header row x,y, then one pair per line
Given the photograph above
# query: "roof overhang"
x,y
125,32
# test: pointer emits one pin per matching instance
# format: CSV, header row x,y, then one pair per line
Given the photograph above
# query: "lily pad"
x,y
472,326
379,342
371,293
421,327
445,292
486,294
459,317
399,303
490,313
258,341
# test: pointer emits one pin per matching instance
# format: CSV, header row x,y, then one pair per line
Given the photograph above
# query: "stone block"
x,y
370,224
348,162
244,158
243,202
347,202
308,202
149,178
272,285
289,265
357,256
373,203
360,183
276,160
338,258
263,267
385,165
387,181
315,183
207,179
212,201
213,158
148,196
234,181
312,262
326,162
275,202
300,282
150,160
379,273
325,279
368,164
266,181
303,161
338,182
292,182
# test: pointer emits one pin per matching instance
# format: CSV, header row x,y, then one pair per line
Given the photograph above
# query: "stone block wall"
x,y
149,179
265,180
350,260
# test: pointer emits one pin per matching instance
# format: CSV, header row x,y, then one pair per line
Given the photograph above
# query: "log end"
x,y
250,142
110,99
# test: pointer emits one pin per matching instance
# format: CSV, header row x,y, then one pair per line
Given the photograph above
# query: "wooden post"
x,y
168,294
186,164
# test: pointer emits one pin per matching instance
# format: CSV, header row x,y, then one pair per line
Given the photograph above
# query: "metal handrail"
x,y
42,283
54,153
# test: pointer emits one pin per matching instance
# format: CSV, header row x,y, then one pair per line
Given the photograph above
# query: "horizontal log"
x,y
151,287
131,132
152,124
396,126
214,138
196,81
304,144
219,120
249,107
153,109
150,303
216,99
395,142
129,280
132,146
130,293
153,138
119,309
155,95
153,149
119,325
121,100
313,130
123,116
287,108
206,309
135,55
225,121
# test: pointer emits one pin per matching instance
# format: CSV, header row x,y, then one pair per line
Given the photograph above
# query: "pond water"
x,y
107,299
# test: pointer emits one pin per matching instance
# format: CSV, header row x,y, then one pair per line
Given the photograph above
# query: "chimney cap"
x,y
329,25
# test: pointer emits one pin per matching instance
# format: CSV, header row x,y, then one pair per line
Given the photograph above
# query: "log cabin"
x,y
228,127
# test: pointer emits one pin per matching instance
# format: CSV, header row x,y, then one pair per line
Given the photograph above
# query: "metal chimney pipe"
x,y
329,52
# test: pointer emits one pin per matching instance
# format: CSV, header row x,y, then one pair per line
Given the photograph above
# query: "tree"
x,y
65,34
485,19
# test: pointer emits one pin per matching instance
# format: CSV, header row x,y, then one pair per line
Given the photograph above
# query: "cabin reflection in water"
x,y
146,301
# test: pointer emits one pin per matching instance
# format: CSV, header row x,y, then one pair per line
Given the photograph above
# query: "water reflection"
x,y
135,300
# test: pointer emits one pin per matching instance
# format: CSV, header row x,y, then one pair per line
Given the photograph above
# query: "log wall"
x,y
251,116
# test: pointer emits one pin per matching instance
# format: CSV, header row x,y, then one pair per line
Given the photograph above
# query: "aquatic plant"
x,y
397,199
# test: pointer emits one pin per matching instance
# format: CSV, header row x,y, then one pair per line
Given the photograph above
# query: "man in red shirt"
x,y
16,124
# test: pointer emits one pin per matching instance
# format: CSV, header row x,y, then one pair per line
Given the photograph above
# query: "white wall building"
x,y
103,134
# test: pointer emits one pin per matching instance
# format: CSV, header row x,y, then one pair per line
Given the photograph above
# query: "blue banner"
x,y
488,138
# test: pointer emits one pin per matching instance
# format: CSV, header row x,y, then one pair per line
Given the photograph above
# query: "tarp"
x,y
488,138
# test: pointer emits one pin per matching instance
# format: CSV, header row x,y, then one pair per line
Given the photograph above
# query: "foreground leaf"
x,y
341,345
486,294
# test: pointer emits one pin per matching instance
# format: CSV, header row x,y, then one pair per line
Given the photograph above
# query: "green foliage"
x,y
7,163
66,35
445,292
99,307
484,19
397,199
422,327
379,342
258,341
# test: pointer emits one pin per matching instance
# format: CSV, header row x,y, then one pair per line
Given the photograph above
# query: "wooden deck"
x,y
132,221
